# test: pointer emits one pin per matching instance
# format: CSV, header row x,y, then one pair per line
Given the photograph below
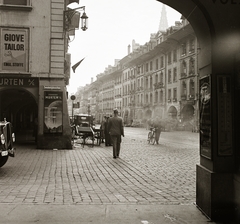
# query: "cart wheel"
x,y
3,160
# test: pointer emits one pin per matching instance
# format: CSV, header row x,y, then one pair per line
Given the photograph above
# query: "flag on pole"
x,y
76,65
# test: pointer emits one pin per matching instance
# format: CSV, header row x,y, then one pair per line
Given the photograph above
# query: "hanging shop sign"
x,y
14,48
53,112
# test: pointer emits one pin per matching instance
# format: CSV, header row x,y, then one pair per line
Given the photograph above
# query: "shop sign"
x,y
14,48
53,112
52,87
16,82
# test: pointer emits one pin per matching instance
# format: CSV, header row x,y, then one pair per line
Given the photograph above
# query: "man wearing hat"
x,y
115,127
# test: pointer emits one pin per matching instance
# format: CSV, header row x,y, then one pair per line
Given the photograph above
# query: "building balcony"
x,y
191,51
191,96
183,75
146,105
132,91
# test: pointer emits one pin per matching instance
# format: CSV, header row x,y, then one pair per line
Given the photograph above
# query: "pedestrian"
x,y
102,129
106,133
158,129
116,130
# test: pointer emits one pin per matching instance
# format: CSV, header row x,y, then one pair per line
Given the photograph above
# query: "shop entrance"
x,y
19,107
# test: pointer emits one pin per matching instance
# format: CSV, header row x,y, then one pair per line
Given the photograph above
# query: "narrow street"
x,y
144,175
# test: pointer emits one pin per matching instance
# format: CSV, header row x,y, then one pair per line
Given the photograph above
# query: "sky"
x,y
112,25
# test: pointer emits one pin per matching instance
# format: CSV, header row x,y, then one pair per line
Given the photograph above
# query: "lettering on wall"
x,y
15,82
14,49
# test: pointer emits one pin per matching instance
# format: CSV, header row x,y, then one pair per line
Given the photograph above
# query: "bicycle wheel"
x,y
152,139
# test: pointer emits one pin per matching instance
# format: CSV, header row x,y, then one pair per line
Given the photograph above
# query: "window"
x,y
175,55
146,68
175,95
184,49
192,46
150,65
192,66
157,64
184,90
191,89
184,68
161,96
169,95
169,58
156,97
161,77
15,2
175,75
138,70
162,62
169,76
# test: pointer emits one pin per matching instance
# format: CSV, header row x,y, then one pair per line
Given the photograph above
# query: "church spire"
x,y
163,25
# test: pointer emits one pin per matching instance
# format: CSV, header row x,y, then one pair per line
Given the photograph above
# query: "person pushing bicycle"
x,y
158,129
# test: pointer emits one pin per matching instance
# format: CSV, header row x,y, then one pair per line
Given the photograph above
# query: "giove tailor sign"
x,y
14,45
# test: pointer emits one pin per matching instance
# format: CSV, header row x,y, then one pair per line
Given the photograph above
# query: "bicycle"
x,y
151,136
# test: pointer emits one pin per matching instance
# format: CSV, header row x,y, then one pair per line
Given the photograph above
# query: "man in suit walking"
x,y
115,127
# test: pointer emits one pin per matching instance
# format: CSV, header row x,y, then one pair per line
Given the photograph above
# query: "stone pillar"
x,y
215,172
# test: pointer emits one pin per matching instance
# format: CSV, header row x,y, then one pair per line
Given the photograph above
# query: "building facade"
x,y
156,79
34,70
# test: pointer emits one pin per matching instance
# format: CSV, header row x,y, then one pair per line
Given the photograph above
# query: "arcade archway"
x,y
218,66
172,112
19,107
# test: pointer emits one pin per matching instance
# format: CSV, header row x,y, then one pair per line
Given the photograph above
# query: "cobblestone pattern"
x,y
145,174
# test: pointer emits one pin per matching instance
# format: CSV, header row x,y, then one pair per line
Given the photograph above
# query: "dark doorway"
x,y
19,107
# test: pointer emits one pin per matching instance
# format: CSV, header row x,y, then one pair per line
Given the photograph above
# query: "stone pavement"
x,y
148,184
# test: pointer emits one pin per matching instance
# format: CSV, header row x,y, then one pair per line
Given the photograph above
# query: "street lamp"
x,y
84,21
73,15
73,98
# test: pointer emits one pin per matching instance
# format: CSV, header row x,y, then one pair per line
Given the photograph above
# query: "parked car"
x,y
7,138
84,128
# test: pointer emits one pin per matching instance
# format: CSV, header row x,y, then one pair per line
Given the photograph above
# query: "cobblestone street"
x,y
144,174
